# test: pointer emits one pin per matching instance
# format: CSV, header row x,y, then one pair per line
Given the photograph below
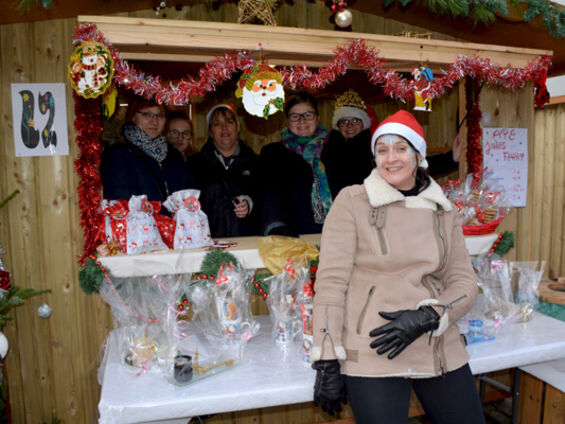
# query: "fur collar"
x,y
382,193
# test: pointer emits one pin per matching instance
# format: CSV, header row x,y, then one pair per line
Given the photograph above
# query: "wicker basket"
x,y
477,230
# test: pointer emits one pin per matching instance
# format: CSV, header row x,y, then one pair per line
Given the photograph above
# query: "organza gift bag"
x,y
192,229
142,233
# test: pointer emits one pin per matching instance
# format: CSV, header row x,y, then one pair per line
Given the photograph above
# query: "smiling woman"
x,y
296,193
225,171
144,163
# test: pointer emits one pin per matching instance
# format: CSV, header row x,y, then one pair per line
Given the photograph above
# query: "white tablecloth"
x,y
269,376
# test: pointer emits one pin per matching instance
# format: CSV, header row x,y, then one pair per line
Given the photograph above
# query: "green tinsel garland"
x,y
483,11
215,259
26,5
90,277
505,244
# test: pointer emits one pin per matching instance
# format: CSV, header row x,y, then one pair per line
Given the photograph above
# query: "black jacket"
x,y
126,171
347,162
219,186
286,192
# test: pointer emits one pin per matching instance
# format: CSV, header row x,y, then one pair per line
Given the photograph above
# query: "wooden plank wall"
x,y
52,363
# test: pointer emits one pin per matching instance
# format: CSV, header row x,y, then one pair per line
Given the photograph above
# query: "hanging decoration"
x,y
263,10
342,16
423,77
109,99
261,90
91,69
474,131
356,52
88,128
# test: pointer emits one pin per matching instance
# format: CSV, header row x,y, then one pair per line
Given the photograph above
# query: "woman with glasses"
x,y
143,163
296,193
180,132
225,172
347,156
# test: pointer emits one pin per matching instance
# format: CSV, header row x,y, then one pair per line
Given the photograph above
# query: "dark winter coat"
x,y
286,187
219,186
349,161
126,171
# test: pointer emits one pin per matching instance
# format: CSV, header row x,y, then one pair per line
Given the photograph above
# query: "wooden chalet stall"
x,y
51,368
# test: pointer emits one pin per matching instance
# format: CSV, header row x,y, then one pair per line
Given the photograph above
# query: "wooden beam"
x,y
175,40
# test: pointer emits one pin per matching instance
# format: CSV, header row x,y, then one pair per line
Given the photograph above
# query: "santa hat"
x,y
350,104
404,124
228,106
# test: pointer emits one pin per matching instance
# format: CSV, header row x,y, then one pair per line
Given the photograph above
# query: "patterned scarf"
x,y
156,147
310,149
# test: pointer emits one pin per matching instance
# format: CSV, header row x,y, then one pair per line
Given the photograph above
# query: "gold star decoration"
x,y
257,9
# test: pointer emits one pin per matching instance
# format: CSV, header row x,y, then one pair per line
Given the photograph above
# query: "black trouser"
x,y
449,399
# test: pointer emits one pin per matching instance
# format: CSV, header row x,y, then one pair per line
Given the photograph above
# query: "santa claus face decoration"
x,y
261,91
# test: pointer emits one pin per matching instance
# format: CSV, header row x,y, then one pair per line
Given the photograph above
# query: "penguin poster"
x,y
39,116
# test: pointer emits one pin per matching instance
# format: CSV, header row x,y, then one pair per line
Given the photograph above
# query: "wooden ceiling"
x,y
510,31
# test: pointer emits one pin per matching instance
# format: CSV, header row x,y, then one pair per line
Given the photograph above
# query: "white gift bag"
x,y
142,232
192,229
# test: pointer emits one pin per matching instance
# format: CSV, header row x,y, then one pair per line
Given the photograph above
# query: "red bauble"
x,y
4,279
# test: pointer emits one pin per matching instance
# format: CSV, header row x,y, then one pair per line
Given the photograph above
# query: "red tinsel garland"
x,y
298,77
474,131
88,127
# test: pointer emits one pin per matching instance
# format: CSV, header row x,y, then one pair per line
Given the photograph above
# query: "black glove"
x,y
406,326
329,389
283,230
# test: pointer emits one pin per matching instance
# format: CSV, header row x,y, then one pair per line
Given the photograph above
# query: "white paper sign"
x,y
39,116
505,152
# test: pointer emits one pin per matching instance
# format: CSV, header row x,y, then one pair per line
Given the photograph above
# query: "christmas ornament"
x,y
44,311
261,89
91,69
109,102
3,345
423,77
214,260
257,9
343,18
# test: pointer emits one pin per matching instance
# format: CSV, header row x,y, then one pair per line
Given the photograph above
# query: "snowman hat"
x,y
228,106
405,125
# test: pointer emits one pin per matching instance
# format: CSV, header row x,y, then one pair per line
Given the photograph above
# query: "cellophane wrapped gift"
x,y
222,309
509,292
284,290
146,319
305,304
142,233
192,229
480,200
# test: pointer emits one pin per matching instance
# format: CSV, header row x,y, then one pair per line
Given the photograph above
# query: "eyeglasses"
x,y
347,122
177,133
148,115
307,116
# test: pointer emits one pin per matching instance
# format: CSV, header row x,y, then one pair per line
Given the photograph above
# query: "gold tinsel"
x,y
259,9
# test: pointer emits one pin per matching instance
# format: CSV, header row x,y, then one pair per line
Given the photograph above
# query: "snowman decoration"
x,y
261,90
91,69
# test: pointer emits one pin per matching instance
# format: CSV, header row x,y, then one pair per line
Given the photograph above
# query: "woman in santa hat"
x,y
393,279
